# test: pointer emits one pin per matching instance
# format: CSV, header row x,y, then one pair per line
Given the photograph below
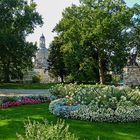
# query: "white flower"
x,y
104,96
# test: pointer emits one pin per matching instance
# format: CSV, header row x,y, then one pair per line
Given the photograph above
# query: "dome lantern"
x,y
42,41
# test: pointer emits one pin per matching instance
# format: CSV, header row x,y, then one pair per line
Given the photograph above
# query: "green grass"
x,y
36,86
25,86
12,121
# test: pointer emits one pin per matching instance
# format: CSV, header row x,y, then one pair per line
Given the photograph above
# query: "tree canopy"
x,y
55,59
18,19
96,37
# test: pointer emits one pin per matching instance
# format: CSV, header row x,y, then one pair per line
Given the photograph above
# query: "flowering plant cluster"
x,y
46,131
19,102
6,102
60,108
94,113
110,104
62,90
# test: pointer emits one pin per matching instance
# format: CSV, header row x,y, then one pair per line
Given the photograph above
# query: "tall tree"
x,y
98,29
18,19
55,59
136,30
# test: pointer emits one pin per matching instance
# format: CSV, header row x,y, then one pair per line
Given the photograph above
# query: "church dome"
x,y
42,41
42,37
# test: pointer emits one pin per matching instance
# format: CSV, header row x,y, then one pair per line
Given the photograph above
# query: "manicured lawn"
x,y
25,86
12,119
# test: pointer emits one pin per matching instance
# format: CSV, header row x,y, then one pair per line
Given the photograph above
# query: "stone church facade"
x,y
41,65
41,55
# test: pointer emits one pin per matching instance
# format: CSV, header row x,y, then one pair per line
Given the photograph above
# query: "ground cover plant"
x,y
26,86
109,104
11,101
12,122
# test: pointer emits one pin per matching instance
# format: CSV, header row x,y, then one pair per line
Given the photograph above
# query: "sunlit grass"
x,y
25,86
12,121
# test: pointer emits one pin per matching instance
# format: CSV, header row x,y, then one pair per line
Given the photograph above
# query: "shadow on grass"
x,y
106,131
12,121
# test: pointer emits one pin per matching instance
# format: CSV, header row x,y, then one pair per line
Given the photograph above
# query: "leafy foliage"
x,y
96,38
36,78
47,131
55,59
18,19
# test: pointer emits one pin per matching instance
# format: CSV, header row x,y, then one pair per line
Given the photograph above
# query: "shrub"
x,y
69,78
62,90
135,96
36,78
47,131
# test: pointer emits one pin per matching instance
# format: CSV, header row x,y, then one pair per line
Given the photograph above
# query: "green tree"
x,y
55,59
18,19
136,30
77,58
97,30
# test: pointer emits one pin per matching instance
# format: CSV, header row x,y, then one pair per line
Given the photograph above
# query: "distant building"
x,y
42,55
41,65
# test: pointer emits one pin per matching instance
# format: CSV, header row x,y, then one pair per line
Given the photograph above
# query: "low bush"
x,y
36,78
63,90
47,131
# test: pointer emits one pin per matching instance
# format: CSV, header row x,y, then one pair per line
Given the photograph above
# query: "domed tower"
x,y
42,54
42,41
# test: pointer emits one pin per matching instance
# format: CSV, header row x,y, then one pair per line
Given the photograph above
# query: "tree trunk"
x,y
62,79
101,70
6,78
6,73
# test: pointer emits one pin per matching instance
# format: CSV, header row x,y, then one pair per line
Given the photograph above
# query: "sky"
x,y
51,11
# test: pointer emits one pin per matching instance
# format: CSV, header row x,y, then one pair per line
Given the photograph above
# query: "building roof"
x,y
42,37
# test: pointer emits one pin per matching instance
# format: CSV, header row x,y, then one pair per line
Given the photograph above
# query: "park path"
x,y
20,92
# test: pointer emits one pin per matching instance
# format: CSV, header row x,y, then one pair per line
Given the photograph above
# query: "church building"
x,y
41,65
42,55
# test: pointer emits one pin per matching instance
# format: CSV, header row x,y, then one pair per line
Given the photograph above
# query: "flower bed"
x,y
6,102
60,108
103,104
